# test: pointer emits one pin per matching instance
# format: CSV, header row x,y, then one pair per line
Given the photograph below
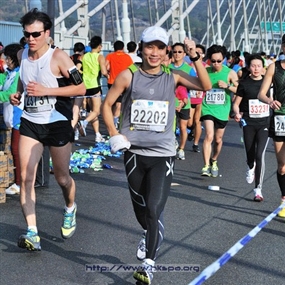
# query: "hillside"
x,y
12,10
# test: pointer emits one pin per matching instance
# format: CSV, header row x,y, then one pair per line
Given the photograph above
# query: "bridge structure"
x,y
247,25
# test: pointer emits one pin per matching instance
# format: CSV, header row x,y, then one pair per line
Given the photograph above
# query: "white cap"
x,y
155,33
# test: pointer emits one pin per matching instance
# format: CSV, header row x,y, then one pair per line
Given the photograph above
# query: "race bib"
x,y
216,96
195,94
149,115
279,125
37,104
258,109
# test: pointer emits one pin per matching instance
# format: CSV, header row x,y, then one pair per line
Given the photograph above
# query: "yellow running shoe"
x,y
69,223
214,169
30,241
144,274
206,171
281,214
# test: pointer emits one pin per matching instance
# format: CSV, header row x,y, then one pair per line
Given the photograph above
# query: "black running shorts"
x,y
184,114
272,132
218,124
94,91
53,134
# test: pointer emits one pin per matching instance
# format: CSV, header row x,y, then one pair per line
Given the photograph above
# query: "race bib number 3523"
x,y
149,115
258,109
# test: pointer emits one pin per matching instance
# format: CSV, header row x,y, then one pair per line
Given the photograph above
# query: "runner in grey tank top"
x,y
148,112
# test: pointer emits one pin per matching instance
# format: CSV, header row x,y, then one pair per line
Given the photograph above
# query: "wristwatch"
x,y
195,58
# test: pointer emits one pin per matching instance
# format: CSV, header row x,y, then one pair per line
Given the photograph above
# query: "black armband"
x,y
75,76
195,58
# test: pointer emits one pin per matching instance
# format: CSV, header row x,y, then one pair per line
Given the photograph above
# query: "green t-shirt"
x,y
12,86
91,70
186,68
217,102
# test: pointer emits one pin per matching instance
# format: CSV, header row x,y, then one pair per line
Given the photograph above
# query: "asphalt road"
x,y
200,225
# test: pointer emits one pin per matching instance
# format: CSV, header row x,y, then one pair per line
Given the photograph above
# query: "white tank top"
x,y
40,110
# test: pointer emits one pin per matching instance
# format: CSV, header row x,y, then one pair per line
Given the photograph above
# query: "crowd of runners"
x,y
153,89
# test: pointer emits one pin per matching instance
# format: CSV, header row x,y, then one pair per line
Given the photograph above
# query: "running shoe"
x,y
30,241
99,138
281,214
144,273
206,171
76,135
250,174
195,148
69,223
82,128
214,169
190,136
257,195
83,113
141,250
13,189
181,154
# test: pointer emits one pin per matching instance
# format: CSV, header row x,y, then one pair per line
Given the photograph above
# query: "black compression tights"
x,y
149,180
281,182
255,142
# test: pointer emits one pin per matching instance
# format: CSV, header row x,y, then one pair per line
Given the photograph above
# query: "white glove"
x,y
119,142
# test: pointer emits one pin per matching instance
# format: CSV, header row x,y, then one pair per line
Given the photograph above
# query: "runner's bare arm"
x,y
103,65
203,82
120,84
60,64
266,83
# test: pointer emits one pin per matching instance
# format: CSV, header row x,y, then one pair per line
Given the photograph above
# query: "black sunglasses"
x,y
33,34
214,61
177,51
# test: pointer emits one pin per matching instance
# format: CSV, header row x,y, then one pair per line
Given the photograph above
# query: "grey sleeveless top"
x,y
148,113
278,87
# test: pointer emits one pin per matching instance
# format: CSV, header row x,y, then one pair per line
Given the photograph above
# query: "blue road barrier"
x,y
87,96
215,266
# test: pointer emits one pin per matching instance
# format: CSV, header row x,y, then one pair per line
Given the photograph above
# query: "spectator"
x,y
2,61
132,48
12,114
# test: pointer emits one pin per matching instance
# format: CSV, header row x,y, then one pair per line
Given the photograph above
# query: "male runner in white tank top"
x,y
47,85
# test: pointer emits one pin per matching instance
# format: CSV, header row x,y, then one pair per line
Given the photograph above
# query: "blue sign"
x,y
272,26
